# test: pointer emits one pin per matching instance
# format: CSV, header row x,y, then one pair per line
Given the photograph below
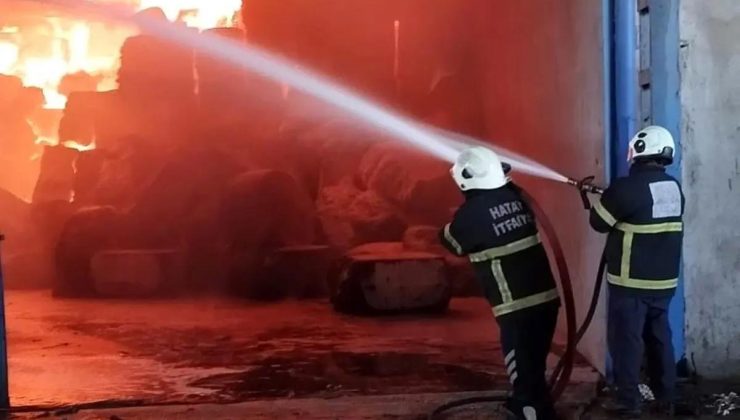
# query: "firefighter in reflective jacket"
x,y
496,230
642,213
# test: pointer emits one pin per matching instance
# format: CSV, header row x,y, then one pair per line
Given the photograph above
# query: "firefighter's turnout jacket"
x,y
497,231
642,213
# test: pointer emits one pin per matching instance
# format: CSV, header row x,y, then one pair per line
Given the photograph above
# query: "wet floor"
x,y
220,350
341,374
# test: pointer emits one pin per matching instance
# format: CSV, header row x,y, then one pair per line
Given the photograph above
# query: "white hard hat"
x,y
478,168
653,141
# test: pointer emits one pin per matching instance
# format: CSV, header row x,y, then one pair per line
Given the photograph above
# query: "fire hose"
x,y
560,376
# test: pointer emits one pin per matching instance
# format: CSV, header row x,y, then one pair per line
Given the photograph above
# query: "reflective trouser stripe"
x,y
510,356
642,284
508,249
510,369
526,302
503,285
629,230
514,377
624,270
451,239
605,215
510,362
651,228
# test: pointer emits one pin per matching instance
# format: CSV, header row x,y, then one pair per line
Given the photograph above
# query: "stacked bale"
x,y
267,210
86,233
167,213
174,193
166,218
385,189
351,217
418,184
341,149
88,166
264,211
115,118
78,82
156,70
236,107
51,206
385,193
157,90
57,175
78,120
25,265
102,175
14,215
78,125
17,138
155,102
388,278
222,87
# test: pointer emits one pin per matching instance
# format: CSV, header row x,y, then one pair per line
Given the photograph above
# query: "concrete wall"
x,y
543,91
710,94
666,111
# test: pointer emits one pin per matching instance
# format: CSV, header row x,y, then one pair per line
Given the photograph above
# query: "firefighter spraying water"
x,y
497,231
642,214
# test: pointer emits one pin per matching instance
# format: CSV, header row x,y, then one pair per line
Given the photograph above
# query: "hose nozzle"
x,y
586,186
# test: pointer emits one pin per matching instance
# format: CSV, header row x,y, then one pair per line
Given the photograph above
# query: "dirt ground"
x,y
218,351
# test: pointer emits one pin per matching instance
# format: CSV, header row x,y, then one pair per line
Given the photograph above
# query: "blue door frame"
x,y
621,101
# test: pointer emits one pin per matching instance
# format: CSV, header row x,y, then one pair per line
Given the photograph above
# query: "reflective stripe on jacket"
x,y
643,216
496,230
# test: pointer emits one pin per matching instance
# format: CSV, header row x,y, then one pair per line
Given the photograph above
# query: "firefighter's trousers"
x,y
526,337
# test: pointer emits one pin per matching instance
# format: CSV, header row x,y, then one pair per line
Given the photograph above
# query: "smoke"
x,y
441,144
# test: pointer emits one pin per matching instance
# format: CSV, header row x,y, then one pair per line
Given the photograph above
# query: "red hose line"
x,y
561,381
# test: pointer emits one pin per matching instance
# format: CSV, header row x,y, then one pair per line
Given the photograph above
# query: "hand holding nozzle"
x,y
586,186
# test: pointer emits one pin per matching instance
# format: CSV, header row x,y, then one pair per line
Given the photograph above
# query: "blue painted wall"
x,y
666,106
666,111
626,112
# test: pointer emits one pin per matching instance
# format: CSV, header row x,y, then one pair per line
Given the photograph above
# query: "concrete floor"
x,y
219,351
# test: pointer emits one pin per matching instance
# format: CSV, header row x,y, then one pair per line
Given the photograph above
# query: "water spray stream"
x,y
518,162
441,144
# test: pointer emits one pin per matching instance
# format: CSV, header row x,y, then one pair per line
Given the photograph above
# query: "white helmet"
x,y
478,168
653,141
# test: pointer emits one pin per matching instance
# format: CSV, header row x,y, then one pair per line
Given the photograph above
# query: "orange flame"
x,y
201,14
41,55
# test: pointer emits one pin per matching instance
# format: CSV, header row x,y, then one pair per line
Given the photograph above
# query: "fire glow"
x,y
47,49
